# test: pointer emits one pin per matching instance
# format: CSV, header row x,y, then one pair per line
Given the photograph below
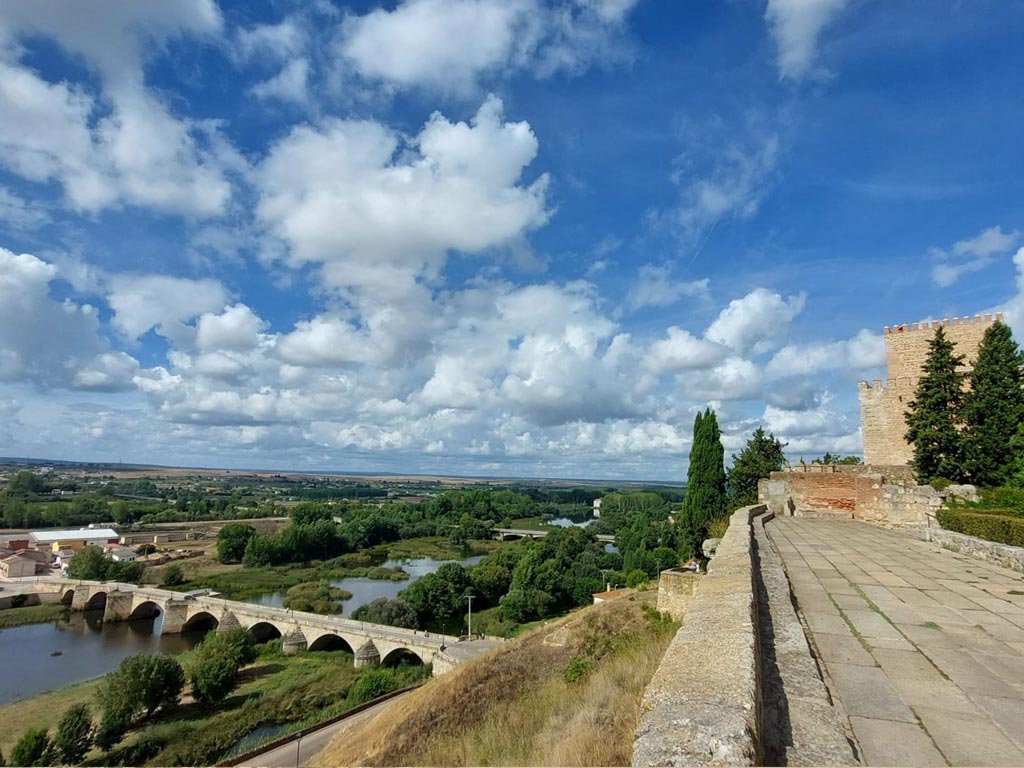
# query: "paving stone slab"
x,y
843,650
868,692
884,742
871,624
969,739
827,623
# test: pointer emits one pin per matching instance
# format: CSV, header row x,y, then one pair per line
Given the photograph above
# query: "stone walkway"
x,y
923,649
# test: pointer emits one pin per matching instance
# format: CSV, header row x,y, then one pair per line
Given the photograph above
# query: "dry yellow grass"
x,y
515,708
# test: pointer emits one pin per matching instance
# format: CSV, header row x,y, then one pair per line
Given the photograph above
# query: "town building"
x,y
16,566
73,539
121,554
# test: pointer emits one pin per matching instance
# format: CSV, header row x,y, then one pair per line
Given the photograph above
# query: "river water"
x,y
84,648
364,590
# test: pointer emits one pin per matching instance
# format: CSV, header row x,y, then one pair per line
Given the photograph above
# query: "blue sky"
x,y
488,237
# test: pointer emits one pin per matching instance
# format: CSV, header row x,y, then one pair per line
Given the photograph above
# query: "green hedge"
x,y
1001,528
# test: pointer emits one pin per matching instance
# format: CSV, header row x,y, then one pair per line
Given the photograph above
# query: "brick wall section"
x,y
872,497
819,491
883,406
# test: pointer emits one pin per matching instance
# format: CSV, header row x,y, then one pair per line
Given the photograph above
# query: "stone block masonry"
x,y
676,588
882,406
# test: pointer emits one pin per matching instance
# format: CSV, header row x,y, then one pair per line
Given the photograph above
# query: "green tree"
x,y
993,408
934,416
33,748
173,575
139,686
232,540
395,613
490,582
705,498
213,678
90,564
761,456
74,735
439,595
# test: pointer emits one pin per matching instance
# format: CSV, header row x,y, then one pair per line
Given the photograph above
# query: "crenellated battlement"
x,y
881,385
932,325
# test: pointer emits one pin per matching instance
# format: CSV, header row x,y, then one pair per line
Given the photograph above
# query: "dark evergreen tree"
x,y
934,416
993,408
705,484
761,456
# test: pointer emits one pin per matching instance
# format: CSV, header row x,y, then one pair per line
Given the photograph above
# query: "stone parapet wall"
x,y
703,706
676,588
990,551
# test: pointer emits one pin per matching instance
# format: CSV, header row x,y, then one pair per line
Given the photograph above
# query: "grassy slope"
x,y
31,614
41,711
515,707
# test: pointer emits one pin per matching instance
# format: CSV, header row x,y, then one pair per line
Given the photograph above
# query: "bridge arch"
x,y
200,621
331,642
96,601
68,597
401,656
264,631
147,609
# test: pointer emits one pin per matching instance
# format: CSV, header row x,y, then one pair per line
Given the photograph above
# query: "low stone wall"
x,y
799,724
990,551
676,588
703,707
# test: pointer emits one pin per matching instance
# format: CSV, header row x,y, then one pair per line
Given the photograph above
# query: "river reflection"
x,y
365,590
44,657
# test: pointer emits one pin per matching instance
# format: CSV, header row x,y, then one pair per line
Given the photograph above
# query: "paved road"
x,y
300,752
923,648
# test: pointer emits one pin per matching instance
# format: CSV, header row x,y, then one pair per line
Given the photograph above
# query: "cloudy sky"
x,y
488,237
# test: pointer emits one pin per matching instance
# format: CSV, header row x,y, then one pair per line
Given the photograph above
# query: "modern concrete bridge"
x,y
181,612
508,534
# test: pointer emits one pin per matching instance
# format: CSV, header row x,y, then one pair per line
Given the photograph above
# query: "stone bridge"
x,y
510,534
182,612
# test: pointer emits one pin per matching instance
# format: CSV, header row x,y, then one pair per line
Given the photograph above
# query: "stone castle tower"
x,y
882,406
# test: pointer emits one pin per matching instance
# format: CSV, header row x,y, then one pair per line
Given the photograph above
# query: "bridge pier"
x,y
175,615
294,642
227,621
80,597
119,606
367,655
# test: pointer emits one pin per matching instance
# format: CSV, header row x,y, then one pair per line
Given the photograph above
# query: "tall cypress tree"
x,y
705,483
993,408
934,415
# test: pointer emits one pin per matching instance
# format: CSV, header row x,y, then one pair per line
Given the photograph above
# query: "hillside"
x,y
567,694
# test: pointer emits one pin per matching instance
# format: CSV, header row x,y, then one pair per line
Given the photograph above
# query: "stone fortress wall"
x,y
882,406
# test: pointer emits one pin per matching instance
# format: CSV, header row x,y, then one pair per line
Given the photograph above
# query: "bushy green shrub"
x,y
984,524
373,683
940,483
577,668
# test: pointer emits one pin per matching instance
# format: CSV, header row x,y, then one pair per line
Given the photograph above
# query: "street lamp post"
x,y
469,598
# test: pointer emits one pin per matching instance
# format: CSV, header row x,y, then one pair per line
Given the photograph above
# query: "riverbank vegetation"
x,y
316,597
32,614
260,690
566,693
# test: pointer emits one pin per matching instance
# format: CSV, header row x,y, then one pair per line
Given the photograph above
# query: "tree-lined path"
x,y
922,648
